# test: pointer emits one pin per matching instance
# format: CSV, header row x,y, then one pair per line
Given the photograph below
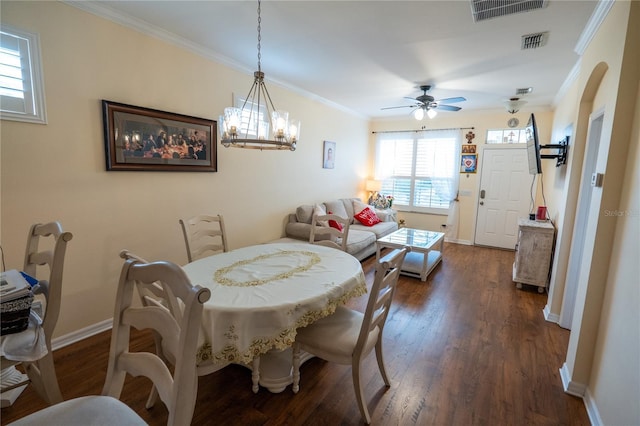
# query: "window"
x,y
420,169
506,136
21,86
249,124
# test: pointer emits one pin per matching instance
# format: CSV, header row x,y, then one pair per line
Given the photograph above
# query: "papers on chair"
x,y
13,285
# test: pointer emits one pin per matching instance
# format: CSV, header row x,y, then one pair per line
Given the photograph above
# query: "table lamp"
x,y
373,186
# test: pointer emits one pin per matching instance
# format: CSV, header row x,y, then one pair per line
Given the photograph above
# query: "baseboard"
x,y
555,318
76,336
463,242
592,409
571,387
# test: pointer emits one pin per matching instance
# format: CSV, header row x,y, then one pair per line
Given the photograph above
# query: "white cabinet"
x,y
533,253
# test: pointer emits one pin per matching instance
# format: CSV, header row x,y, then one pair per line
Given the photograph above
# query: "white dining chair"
x,y
204,235
179,338
348,336
44,258
158,294
330,236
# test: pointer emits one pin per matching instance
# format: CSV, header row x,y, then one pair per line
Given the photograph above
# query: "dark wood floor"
x,y
464,348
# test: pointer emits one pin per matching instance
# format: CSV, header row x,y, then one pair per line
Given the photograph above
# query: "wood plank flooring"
x,y
464,348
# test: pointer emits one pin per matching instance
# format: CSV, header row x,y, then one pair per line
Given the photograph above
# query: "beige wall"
x,y
469,182
603,356
57,171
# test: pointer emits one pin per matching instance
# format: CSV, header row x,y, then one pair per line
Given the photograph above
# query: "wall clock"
x,y
513,122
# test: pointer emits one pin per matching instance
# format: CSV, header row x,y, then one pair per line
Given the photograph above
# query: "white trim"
x,y
549,316
593,25
83,333
461,242
144,27
592,409
568,81
571,387
39,116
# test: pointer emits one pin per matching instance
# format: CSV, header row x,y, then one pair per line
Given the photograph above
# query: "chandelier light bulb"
x,y
418,114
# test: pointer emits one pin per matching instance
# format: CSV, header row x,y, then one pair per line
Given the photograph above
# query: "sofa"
x,y
361,240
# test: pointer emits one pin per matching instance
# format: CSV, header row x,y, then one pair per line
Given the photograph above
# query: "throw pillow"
x,y
335,224
358,206
367,217
318,210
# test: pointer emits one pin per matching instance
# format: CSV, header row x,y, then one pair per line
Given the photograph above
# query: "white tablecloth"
x,y
261,294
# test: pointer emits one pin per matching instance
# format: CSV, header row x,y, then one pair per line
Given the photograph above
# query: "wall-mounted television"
x,y
533,147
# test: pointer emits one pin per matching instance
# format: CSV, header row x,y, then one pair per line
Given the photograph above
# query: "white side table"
x,y
533,253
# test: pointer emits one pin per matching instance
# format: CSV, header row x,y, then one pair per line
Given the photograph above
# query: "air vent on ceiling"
x,y
524,91
533,41
487,9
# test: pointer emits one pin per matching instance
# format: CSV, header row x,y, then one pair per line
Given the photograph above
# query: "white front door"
x,y
505,196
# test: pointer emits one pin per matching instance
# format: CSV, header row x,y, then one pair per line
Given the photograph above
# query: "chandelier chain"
x,y
259,36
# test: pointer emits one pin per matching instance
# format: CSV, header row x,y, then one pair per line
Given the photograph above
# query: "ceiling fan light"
x,y
432,113
418,114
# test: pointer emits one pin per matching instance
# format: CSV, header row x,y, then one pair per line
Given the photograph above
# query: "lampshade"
x,y
418,113
513,105
432,113
373,185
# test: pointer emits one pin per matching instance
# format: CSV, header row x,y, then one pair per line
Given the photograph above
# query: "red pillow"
x,y
367,217
334,224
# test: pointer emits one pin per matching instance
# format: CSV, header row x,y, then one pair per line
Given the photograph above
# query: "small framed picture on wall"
x,y
329,155
468,163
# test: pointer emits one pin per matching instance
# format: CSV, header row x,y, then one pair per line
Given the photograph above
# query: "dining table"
x,y
262,294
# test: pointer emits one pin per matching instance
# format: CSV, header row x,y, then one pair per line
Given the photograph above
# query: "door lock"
x,y
482,193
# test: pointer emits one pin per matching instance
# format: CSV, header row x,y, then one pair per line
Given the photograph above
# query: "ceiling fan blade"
x,y
448,108
452,100
410,98
402,106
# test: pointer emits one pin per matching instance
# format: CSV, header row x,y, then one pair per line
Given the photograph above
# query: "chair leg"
x,y
296,368
42,374
357,385
153,396
255,374
381,367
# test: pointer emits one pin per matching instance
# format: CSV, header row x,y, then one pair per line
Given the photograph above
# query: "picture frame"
x,y
144,139
328,155
468,163
468,149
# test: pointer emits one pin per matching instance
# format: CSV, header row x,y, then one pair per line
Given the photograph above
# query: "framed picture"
x,y
468,149
468,163
143,139
329,155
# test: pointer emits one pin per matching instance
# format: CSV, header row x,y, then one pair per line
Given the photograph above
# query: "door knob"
x,y
482,203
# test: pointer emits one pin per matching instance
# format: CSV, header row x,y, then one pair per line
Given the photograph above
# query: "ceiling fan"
x,y
428,104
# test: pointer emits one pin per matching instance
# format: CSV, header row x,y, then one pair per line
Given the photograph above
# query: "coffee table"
x,y
426,250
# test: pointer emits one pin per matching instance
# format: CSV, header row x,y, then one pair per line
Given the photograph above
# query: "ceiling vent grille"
x,y
533,41
487,9
524,91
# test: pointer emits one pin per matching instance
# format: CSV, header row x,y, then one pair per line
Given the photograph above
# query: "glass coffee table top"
x,y
415,238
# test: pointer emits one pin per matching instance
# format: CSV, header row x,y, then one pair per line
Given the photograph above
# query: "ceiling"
x,y
363,55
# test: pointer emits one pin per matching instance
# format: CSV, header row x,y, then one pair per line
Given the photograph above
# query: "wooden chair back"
x,y
204,235
328,235
44,258
179,337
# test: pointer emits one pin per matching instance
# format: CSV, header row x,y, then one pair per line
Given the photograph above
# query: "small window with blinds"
x,y
21,84
419,170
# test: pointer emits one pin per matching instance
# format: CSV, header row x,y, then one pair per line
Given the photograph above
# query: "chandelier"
x,y
513,105
248,127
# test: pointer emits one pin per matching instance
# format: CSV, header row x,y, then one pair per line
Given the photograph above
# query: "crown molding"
x,y
592,27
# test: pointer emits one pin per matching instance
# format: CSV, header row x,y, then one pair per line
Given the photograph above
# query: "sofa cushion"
x,y
304,213
319,210
379,229
348,206
337,207
358,240
367,217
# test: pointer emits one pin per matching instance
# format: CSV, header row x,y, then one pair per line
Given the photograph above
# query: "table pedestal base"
x,y
276,370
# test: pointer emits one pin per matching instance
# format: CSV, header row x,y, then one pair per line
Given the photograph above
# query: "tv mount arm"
x,y
561,156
